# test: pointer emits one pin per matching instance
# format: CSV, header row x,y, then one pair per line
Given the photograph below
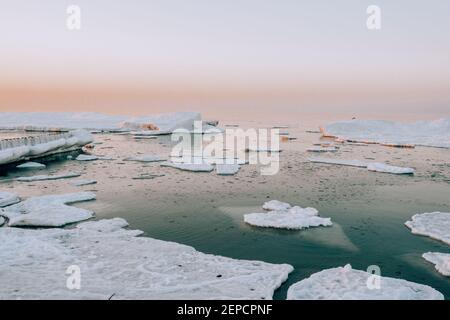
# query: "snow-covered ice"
x,y
227,169
146,158
283,216
196,167
382,167
116,264
441,261
8,198
42,121
426,133
80,183
345,283
49,177
31,165
435,225
49,210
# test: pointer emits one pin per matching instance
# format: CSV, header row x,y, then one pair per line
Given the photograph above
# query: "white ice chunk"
x,y
197,167
49,177
8,198
146,158
49,211
115,264
345,283
286,220
79,183
381,167
440,260
276,205
227,169
31,165
435,225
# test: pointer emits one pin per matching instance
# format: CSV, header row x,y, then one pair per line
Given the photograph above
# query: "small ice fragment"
x,y
343,162
79,183
227,169
48,177
276,205
381,167
145,158
86,157
31,165
196,167
322,149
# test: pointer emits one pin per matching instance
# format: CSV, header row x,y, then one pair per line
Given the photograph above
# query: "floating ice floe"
x,y
435,225
80,183
48,211
14,150
381,167
31,165
49,177
322,149
426,133
8,198
116,264
293,218
197,167
146,158
48,121
227,169
345,283
441,261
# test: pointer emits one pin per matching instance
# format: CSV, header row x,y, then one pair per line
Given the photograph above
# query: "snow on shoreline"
x,y
51,121
425,133
345,283
441,262
371,166
116,264
48,211
435,225
283,216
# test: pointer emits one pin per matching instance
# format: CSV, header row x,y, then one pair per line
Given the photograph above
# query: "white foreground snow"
x,y
116,264
96,121
146,158
227,169
283,216
8,198
381,167
426,133
435,225
48,211
49,177
196,167
440,260
31,165
345,283
80,183
13,150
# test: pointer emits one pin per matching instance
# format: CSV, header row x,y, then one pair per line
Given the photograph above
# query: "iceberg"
x,y
440,260
286,217
8,198
49,210
435,225
345,283
49,177
424,133
18,149
63,121
117,264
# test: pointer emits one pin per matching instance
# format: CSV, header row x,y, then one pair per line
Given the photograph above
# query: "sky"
x,y
144,56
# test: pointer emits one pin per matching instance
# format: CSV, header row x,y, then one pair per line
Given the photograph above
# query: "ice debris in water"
x,y
49,177
345,283
49,210
435,225
283,216
441,261
8,198
116,264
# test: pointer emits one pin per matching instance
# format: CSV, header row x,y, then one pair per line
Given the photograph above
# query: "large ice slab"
x,y
17,149
8,198
283,216
115,264
345,283
49,211
44,177
435,225
426,133
441,261
96,121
